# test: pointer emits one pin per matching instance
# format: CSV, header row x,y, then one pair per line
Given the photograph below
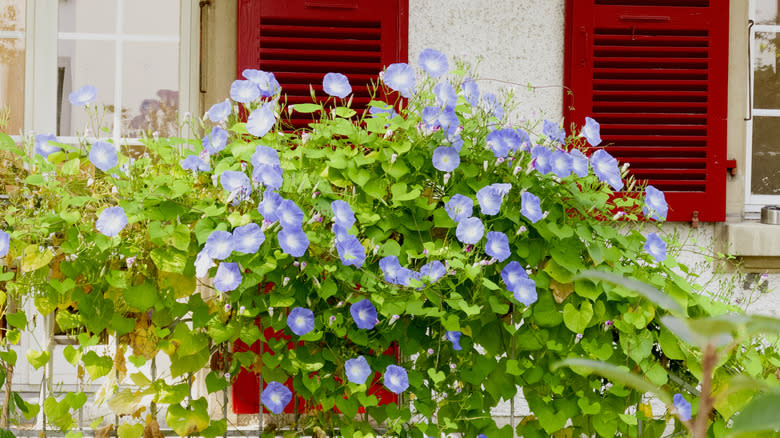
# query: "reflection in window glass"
x,y
90,16
765,175
151,106
766,75
765,12
164,20
12,16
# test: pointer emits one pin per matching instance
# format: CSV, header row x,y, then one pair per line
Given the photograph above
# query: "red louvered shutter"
x,y
653,73
302,40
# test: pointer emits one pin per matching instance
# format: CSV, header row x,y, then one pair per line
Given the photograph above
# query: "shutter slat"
x,y
287,42
372,33
319,55
319,66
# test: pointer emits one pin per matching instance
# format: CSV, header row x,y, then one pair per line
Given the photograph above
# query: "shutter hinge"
x,y
731,167
695,219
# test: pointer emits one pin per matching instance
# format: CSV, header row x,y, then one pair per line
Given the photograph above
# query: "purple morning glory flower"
x,y
269,176
83,95
656,247
357,370
193,162
111,221
290,215
219,245
215,141
553,132
293,241
236,182
430,115
5,243
530,207
471,91
492,106
400,77
542,159
592,131
337,85
655,204
470,230
446,158
269,205
244,91
43,147
502,141
248,238
261,120
490,198
266,82
203,263
340,232
351,252
396,379
219,112
459,207
364,314
276,397
448,121
265,155
391,268
342,214
433,62
454,337
682,406
606,169
560,163
579,163
228,277
434,270
300,320
525,291
512,273
406,275
497,245
445,95
103,155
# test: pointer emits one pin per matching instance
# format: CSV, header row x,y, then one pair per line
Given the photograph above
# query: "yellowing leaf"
x,y
35,258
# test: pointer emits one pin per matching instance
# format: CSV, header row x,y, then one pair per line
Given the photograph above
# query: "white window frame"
x,y
754,202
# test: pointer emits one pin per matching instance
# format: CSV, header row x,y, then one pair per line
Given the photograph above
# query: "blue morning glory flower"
x,y
248,238
266,82
482,435
497,245
203,263
470,91
261,120
396,379
525,139
228,277
445,95
5,243
406,275
490,198
269,205
351,252
337,85
340,232
542,159
244,91
357,370
512,273
470,230
553,132
656,247
300,320
433,270
265,155
459,207
606,169
364,314
502,141
525,291
682,406
219,245
454,337
448,120
492,106
103,155
342,214
83,95
560,163
293,241
215,141
456,142
400,77
446,158
391,268
111,221
193,162
219,112
579,163
592,131
430,115
43,147
290,215
655,204
236,182
382,108
433,62
276,397
269,176
530,207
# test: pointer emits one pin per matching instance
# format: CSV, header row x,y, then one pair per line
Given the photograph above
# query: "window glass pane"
x,y
91,16
164,20
765,12
765,66
765,177
85,63
150,88
12,17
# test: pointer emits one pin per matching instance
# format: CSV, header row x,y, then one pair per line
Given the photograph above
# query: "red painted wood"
x,y
653,73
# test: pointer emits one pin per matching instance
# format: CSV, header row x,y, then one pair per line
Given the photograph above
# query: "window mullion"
x,y
41,69
118,72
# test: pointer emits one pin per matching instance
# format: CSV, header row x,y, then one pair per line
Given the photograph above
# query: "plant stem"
x,y
709,361
9,374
